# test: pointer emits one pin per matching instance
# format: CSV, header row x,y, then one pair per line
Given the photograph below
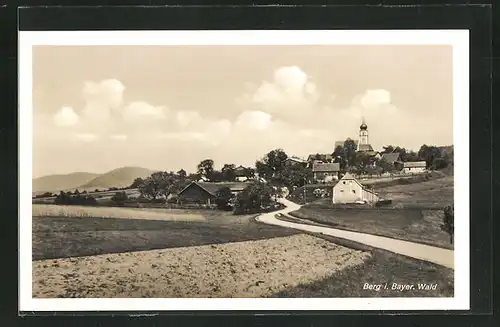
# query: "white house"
x,y
413,167
350,190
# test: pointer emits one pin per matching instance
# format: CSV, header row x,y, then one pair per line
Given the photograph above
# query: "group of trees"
x,y
359,162
256,197
161,184
76,198
206,170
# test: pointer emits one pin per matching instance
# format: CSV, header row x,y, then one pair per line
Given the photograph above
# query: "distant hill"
x,y
54,183
120,177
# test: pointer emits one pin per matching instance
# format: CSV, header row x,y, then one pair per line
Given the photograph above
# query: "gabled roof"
x,y
413,164
349,177
240,171
341,143
391,157
299,160
320,156
212,188
365,147
326,167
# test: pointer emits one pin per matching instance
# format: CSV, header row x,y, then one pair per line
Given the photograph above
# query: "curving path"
x,y
424,252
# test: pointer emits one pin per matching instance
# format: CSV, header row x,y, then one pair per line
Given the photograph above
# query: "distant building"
x,y
363,143
325,172
241,173
205,192
350,190
290,161
413,167
318,158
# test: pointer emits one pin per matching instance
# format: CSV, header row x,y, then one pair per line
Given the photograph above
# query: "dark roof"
x,y
212,188
341,143
299,160
240,171
412,164
326,167
320,156
391,157
365,147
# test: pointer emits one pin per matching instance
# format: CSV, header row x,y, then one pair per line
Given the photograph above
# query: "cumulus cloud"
x,y
102,99
254,120
290,93
375,99
66,117
143,110
119,137
87,137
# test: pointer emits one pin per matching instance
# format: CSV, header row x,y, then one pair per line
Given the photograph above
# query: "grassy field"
x,y
386,273
69,234
415,214
243,269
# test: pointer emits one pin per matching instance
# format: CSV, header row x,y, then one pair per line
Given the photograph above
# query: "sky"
x,y
97,108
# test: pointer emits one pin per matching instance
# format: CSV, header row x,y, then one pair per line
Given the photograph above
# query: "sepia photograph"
x,y
268,166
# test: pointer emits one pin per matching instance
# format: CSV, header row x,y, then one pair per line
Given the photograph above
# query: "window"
x,y
343,182
354,191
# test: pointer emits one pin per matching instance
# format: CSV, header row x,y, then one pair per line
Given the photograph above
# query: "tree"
x,y
254,198
182,174
249,173
271,165
119,198
206,168
228,173
339,157
222,198
295,175
217,176
137,183
386,166
429,154
388,149
449,222
350,152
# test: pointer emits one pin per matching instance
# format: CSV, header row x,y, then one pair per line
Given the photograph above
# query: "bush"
x,y
223,197
448,222
120,198
256,197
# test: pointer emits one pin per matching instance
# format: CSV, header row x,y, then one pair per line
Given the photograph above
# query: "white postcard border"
x,y
458,39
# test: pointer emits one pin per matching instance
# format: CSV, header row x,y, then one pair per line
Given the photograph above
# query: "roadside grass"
x,y
382,268
415,214
405,224
63,237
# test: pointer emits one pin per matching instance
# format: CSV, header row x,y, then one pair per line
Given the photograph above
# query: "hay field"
x,y
242,269
45,210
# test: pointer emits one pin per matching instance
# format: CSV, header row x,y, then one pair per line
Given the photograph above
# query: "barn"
x,y
350,190
205,192
413,167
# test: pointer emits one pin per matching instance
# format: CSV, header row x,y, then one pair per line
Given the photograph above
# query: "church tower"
x,y
363,143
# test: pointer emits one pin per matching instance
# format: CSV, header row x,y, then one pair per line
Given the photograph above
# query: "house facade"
x,y
325,172
350,190
241,174
413,167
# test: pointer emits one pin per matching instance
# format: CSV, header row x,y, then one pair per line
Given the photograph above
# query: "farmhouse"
x,y
325,172
241,173
205,192
413,167
350,190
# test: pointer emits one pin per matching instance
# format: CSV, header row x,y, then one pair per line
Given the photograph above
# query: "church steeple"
x,y
363,143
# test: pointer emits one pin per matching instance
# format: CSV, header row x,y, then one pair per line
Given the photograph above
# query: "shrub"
x,y
448,222
223,197
119,198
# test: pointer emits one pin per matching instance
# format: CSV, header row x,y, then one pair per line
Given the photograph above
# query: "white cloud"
x,y
87,137
290,93
102,99
188,118
66,117
143,110
374,99
119,137
254,120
